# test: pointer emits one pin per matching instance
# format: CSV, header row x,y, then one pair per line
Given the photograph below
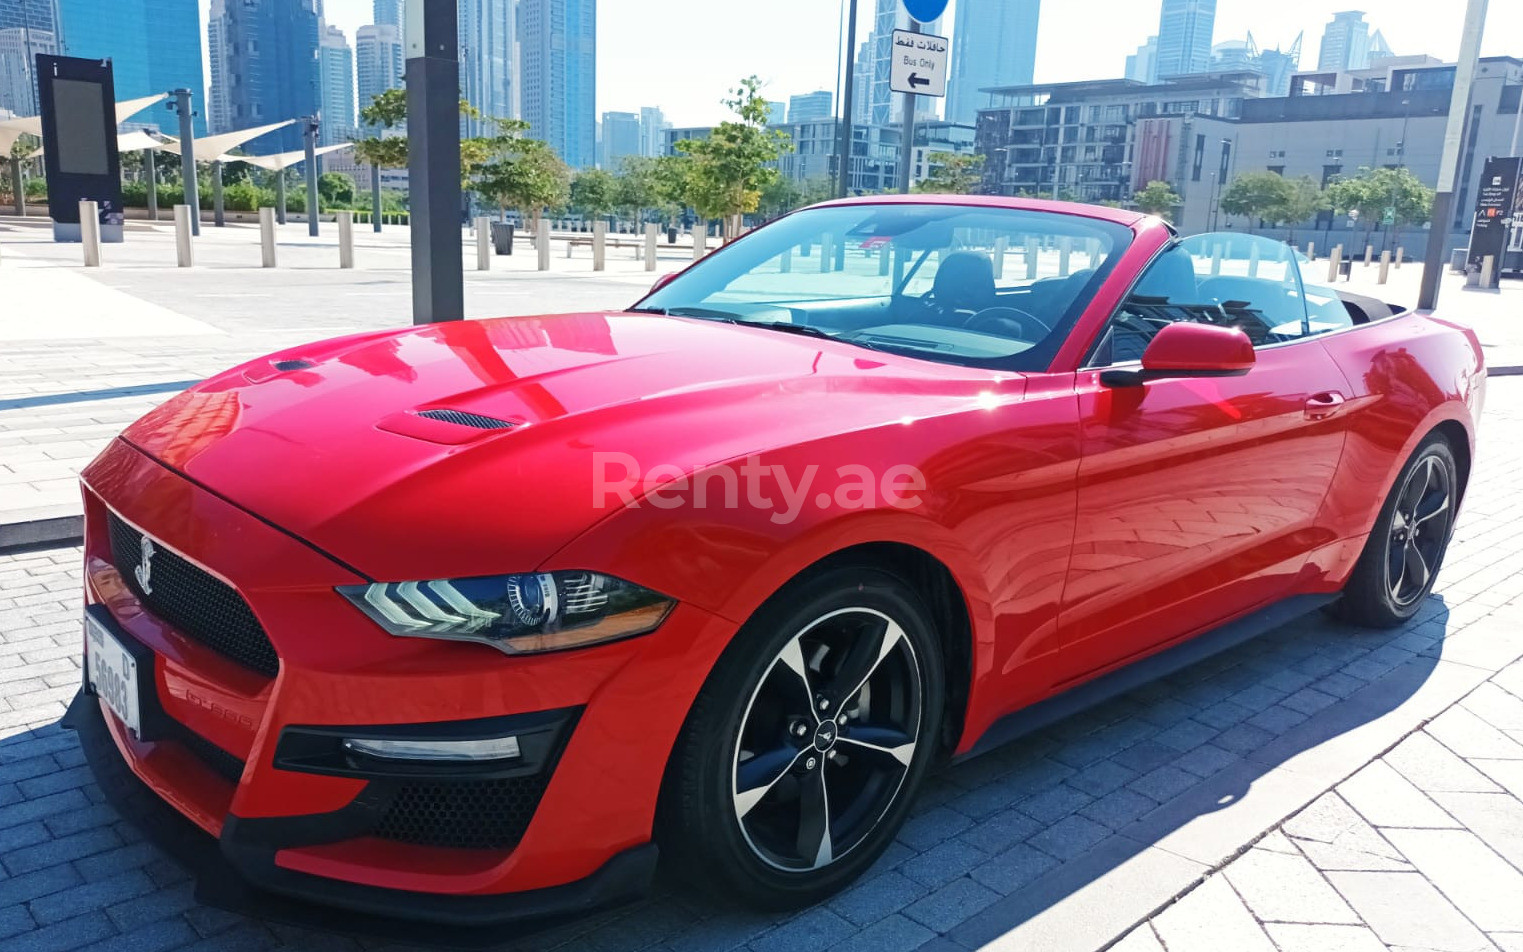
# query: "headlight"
x,y
517,614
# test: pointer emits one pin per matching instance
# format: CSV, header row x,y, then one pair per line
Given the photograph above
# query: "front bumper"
x,y
319,834
246,850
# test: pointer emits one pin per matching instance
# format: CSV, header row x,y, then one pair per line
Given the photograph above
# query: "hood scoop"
x,y
446,426
462,418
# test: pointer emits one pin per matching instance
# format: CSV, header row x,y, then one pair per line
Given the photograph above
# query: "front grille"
x,y
462,418
225,765
468,814
196,604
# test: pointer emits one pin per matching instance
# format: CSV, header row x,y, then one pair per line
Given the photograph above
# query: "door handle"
x,y
1323,405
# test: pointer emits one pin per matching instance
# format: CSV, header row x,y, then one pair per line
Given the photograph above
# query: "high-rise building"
x,y
1185,30
777,113
336,76
377,60
558,49
993,44
862,85
153,45
390,13
18,89
1142,65
652,123
272,68
621,137
1347,43
811,106
219,108
486,36
885,106
1276,66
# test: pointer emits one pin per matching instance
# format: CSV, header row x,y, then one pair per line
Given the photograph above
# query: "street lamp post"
x,y
843,150
181,105
309,136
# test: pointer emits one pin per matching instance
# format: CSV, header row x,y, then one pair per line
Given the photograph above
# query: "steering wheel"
x,y
1001,321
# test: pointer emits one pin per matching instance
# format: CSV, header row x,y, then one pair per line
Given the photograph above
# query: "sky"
x,y
683,55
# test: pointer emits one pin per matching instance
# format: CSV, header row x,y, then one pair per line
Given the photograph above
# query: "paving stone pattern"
x,y
1393,812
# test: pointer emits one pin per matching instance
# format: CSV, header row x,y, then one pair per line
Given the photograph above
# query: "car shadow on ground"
x,y
994,841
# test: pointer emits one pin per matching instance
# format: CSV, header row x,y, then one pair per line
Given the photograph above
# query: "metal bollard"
x,y
1385,266
1001,244
827,252
1369,255
652,231
700,239
1400,253
1253,260
785,263
1311,251
1216,260
542,243
1065,251
89,232
345,239
1031,257
599,245
185,251
267,237
1333,260
483,244
1488,273
886,260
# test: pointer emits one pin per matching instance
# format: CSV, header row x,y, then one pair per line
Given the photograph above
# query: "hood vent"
x,y
285,366
461,418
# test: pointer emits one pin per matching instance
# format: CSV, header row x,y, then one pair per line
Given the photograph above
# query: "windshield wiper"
x,y
805,330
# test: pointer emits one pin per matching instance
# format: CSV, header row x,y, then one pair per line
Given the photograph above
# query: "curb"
x,y
1504,371
49,532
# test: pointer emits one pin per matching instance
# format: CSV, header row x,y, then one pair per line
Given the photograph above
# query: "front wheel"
x,y
805,747
1406,547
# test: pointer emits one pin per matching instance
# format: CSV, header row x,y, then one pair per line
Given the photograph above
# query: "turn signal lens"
x,y
494,748
517,614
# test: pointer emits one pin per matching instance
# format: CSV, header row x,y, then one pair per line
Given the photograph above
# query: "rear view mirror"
x,y
1186,349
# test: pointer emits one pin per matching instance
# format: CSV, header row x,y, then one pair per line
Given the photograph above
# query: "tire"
x,y
1405,550
761,752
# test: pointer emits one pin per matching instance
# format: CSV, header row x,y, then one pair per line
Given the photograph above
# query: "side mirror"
x,y
1188,350
663,281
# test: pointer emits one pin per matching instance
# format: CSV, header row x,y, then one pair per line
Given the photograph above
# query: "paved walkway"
x,y
1066,840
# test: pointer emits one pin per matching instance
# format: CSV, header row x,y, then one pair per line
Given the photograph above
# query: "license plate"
x,y
112,671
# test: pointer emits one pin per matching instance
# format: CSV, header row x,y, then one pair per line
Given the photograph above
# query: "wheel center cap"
x,y
825,736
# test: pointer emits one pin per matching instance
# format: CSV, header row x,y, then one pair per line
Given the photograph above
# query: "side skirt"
x,y
1043,713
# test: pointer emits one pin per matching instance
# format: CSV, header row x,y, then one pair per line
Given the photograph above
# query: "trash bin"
x,y
1457,260
1344,268
502,237
671,235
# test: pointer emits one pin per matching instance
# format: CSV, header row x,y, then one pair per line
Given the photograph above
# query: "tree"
x,y
952,174
595,192
1261,195
387,113
1373,191
335,188
1157,198
730,169
1305,201
522,173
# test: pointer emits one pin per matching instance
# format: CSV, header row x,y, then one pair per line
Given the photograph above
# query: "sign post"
x,y
918,68
1494,211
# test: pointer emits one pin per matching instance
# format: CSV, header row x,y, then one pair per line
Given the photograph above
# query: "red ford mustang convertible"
x,y
466,622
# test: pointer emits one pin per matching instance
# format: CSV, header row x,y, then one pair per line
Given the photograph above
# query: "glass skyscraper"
x,y
27,27
884,105
154,47
485,32
993,44
271,68
378,60
1185,28
558,44
336,69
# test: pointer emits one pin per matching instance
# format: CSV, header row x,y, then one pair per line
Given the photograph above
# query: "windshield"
x,y
969,285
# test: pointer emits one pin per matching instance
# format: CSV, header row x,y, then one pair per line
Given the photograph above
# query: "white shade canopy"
x,y
223,142
13,129
283,160
135,141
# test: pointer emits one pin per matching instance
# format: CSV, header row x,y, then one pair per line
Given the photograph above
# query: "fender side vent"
x,y
461,418
295,364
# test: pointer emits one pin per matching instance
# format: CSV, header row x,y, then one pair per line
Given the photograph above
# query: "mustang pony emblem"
x,y
144,570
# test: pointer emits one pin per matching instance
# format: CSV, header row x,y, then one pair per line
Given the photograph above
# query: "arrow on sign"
x,y
917,80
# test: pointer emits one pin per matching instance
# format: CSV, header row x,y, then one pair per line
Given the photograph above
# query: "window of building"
x,y
1200,158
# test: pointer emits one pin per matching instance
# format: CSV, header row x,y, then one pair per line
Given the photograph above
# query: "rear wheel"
x,y
1401,559
806,745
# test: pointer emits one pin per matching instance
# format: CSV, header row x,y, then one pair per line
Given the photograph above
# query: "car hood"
x,y
334,441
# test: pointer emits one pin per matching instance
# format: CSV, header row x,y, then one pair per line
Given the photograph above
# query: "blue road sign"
x,y
925,10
